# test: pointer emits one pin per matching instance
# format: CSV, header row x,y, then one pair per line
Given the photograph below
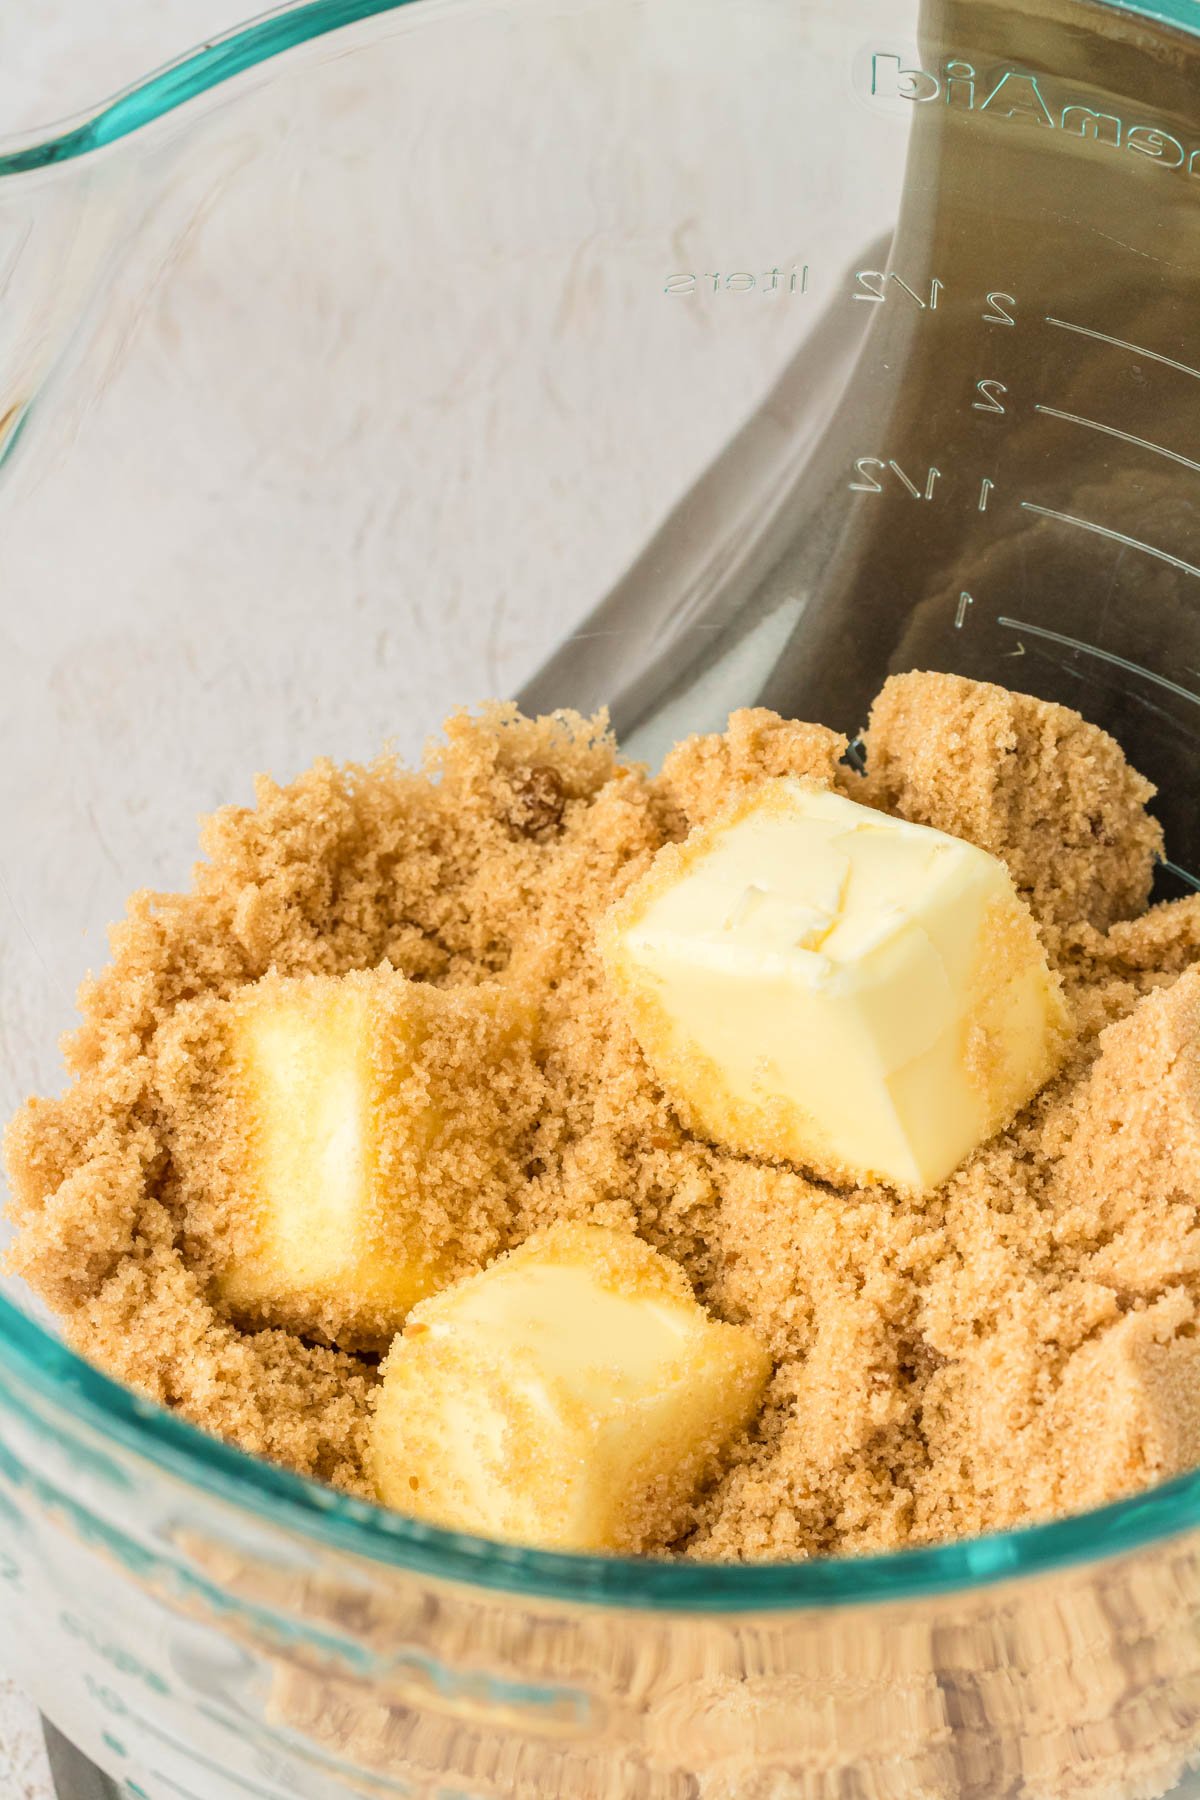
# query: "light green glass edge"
x,y
218,61
47,1368
269,35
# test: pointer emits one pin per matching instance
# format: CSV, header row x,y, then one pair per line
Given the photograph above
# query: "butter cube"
x,y
367,1115
574,1396
819,983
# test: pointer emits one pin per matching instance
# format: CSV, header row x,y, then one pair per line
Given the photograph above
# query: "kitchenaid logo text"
x,y
1015,94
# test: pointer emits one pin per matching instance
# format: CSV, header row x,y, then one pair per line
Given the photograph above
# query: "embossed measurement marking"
x,y
991,402
964,600
868,484
873,288
1108,656
268,1743
116,1704
1126,437
1118,537
175,1786
1192,880
897,470
1124,344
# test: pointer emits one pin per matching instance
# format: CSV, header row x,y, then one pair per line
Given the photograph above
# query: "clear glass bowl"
x,y
345,366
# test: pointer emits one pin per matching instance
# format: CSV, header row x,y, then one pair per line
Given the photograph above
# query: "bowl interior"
x,y
337,392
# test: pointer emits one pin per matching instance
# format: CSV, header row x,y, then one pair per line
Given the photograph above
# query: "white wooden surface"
x,y
56,58
23,1774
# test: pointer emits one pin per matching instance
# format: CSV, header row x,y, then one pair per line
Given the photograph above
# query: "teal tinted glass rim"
x,y
270,34
197,72
78,1391
334,1520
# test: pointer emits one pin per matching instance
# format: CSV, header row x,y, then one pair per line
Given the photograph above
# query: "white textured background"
x,y
57,58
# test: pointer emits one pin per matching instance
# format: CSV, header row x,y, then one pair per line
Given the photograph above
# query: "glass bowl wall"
x,y
344,368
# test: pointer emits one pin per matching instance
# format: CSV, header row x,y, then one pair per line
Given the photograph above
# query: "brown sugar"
x,y
1127,1411
1131,1134
431,1094
1035,784
702,775
1017,1343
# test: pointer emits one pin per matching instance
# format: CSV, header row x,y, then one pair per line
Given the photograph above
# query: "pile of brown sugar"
x,y
1021,1342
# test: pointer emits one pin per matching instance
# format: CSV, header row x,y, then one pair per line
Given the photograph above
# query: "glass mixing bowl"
x,y
346,367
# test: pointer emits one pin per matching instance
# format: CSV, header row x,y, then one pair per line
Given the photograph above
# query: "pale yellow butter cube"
x,y
574,1395
362,1110
820,983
